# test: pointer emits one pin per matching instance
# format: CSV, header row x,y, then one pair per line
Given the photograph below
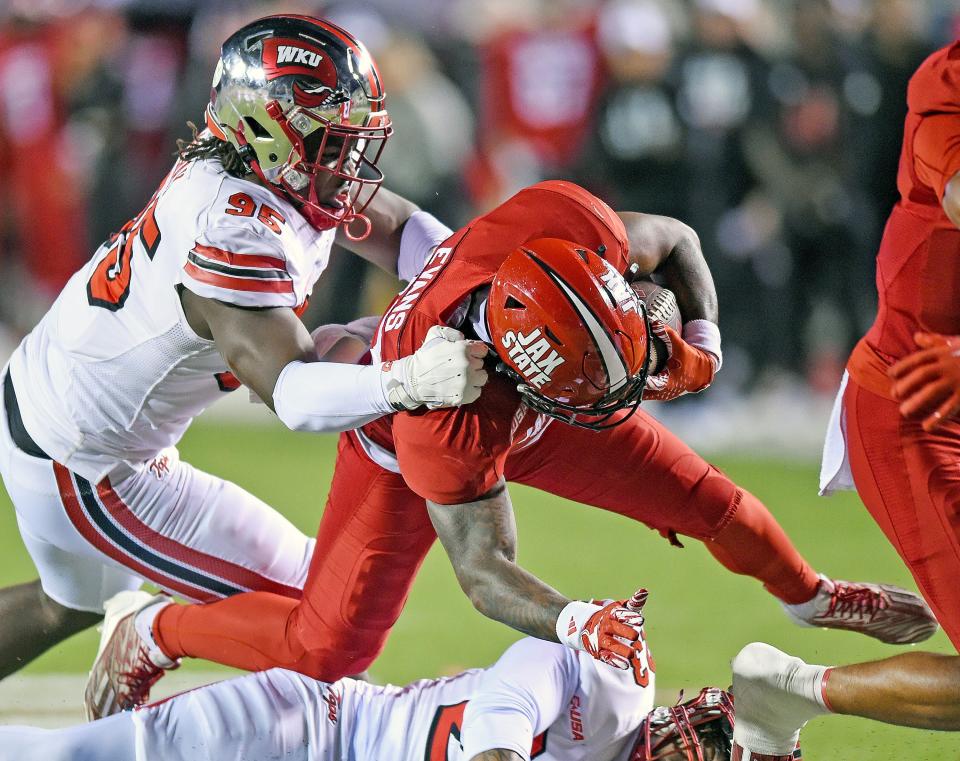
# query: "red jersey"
x,y
456,455
918,265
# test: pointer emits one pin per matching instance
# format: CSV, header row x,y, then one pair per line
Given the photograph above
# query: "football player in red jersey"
x,y
539,279
895,435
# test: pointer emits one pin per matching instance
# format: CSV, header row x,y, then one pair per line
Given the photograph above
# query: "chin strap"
x,y
365,229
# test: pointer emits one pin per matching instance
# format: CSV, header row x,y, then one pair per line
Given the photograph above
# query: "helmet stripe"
x,y
612,361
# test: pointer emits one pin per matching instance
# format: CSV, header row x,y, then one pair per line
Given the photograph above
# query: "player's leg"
x,y
641,470
373,537
270,715
910,482
912,690
68,596
112,739
31,623
274,714
191,533
187,531
776,694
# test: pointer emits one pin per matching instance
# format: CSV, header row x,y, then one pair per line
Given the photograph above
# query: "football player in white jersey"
x,y
196,295
541,701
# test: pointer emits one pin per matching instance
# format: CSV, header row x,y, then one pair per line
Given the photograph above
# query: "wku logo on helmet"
x,y
319,96
297,56
291,57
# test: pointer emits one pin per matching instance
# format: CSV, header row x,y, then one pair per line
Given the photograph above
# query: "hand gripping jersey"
x,y
473,441
113,373
918,265
541,700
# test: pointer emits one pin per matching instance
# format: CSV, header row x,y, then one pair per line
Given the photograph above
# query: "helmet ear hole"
x,y
256,127
552,336
512,303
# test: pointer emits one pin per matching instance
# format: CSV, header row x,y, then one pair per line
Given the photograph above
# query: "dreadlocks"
x,y
206,146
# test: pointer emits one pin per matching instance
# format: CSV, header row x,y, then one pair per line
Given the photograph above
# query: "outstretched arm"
x,y
480,538
272,353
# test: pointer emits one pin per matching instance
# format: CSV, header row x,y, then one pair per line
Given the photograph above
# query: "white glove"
x,y
446,371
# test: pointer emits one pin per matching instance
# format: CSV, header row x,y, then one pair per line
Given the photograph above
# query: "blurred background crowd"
x,y
773,127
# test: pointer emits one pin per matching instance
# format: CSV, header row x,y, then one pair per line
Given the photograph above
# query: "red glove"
x,y
929,379
613,634
688,369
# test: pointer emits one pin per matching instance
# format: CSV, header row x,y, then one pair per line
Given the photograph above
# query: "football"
x,y
660,302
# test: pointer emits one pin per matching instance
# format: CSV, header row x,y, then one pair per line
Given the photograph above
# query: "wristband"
x,y
704,335
571,622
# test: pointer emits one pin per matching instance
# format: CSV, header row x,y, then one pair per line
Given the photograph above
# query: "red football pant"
x,y
375,533
910,482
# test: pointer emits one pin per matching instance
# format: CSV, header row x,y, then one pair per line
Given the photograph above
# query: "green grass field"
x,y
698,616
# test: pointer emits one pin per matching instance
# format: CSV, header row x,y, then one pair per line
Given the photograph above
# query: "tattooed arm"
x,y
498,755
480,538
672,250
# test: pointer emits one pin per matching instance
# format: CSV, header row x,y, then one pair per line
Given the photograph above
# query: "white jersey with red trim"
x,y
542,700
113,373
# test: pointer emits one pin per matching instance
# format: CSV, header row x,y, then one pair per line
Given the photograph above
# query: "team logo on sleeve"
x,y
331,696
576,719
532,355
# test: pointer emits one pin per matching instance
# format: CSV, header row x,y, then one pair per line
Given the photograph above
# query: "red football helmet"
x,y
302,102
568,327
685,728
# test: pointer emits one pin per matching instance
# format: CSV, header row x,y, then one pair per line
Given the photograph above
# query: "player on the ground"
x,y
199,293
539,701
776,694
571,332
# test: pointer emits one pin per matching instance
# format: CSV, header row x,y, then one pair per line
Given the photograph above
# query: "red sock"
x,y
248,631
754,544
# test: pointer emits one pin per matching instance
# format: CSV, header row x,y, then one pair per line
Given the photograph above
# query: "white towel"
x,y
835,474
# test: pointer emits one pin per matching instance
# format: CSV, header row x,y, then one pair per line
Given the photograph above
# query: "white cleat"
x,y
774,695
882,611
126,666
